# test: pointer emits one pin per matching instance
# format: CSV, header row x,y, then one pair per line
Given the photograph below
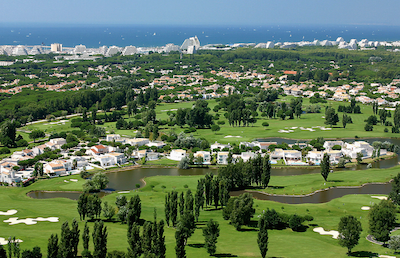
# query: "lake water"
x,y
127,180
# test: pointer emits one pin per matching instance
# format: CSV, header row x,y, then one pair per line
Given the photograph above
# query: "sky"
x,y
201,12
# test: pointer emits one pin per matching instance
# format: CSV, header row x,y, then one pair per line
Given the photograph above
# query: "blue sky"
x,y
202,12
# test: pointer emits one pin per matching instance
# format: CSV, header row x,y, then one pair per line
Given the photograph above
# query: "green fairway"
x,y
256,131
230,242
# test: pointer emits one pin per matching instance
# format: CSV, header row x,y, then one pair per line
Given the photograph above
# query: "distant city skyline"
x,y
206,12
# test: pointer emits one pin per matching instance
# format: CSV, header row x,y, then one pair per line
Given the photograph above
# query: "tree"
x,y
160,247
368,127
215,128
262,237
349,232
184,163
3,253
325,166
65,248
82,205
35,134
295,222
86,237
199,198
242,210
266,171
108,211
394,243
52,246
135,210
134,241
211,234
331,118
100,181
396,116
74,237
180,242
8,133
99,240
395,193
382,219
187,223
208,188
359,157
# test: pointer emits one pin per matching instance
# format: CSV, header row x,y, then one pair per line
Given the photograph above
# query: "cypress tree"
x,y
147,238
325,166
180,242
208,188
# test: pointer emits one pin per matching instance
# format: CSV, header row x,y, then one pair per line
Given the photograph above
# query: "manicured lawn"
x,y
257,130
230,242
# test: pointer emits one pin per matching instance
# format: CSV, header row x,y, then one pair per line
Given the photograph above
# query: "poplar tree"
x,y
208,187
174,207
262,237
215,191
99,240
74,237
167,210
211,234
134,241
266,171
199,198
189,201
147,238
181,204
160,240
52,246
65,248
325,166
86,237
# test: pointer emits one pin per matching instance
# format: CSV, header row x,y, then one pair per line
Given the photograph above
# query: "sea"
x,y
94,36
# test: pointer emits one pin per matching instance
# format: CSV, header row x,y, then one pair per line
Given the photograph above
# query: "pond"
x,y
127,180
321,196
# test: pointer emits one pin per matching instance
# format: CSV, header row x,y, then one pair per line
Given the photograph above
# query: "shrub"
x,y
221,122
265,124
386,130
368,127
215,128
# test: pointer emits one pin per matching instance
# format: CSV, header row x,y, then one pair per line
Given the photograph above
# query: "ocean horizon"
x,y
94,36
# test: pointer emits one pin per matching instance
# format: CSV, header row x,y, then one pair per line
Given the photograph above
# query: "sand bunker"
x,y
124,192
230,136
285,131
29,221
365,208
307,129
386,256
380,197
74,180
4,241
66,181
321,231
8,213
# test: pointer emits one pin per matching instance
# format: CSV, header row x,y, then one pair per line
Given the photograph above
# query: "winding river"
x,y
127,180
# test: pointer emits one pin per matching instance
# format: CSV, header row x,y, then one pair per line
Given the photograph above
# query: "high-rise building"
x,y
193,41
56,47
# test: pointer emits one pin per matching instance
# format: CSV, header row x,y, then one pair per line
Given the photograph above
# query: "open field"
x,y
230,243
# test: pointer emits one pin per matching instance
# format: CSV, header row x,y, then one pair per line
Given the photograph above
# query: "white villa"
x,y
137,141
219,146
177,154
158,144
57,167
315,157
329,144
205,155
98,150
222,157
